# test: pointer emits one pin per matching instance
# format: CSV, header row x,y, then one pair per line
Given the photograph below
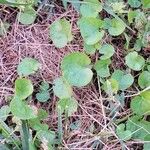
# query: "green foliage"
x,y
23,88
75,68
122,133
60,33
144,79
90,8
62,88
146,4
134,3
101,67
21,110
4,111
107,50
124,80
67,106
118,7
43,94
115,27
28,66
89,28
135,61
27,17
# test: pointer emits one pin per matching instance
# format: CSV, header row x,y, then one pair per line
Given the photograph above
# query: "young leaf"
x,y
28,66
107,50
140,105
146,3
122,133
27,17
134,3
60,33
43,96
75,69
89,28
116,27
134,61
90,8
67,106
144,79
124,80
62,88
23,88
101,67
21,110
4,111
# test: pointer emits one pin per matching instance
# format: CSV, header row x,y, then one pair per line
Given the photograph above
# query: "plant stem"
x,y
25,135
60,130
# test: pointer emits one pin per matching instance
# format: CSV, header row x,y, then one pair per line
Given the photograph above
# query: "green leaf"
x,y
4,26
116,27
111,86
67,106
60,33
140,105
44,86
27,17
21,110
118,7
147,142
135,61
43,96
144,79
131,15
107,50
146,4
90,8
145,94
23,88
122,133
42,114
28,66
101,67
75,69
62,88
89,28
124,80
4,111
134,3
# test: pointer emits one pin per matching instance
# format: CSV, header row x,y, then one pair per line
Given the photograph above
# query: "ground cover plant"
x,y
74,74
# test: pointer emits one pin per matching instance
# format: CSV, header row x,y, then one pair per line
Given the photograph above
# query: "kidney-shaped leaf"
x,y
23,88
60,32
107,50
21,110
124,80
75,69
90,8
28,66
89,28
144,79
62,88
101,67
67,106
134,61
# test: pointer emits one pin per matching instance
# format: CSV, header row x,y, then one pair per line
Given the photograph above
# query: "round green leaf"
x,y
134,3
107,50
101,67
62,88
4,111
75,69
67,106
116,27
90,8
23,88
134,61
60,32
43,96
124,80
27,17
21,110
89,28
28,66
144,79
140,105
